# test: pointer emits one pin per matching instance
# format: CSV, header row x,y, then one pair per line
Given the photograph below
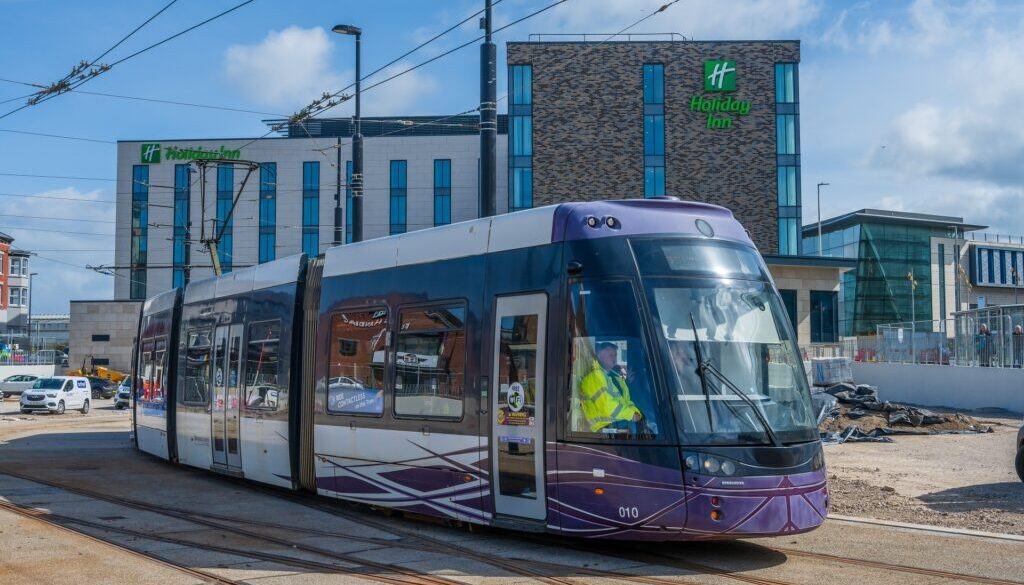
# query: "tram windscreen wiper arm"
x,y
705,366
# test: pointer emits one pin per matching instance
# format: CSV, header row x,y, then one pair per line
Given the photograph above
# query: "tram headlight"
x,y
818,461
712,465
691,462
728,467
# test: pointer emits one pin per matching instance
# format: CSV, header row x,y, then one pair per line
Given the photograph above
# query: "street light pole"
x,y
31,342
820,185
357,145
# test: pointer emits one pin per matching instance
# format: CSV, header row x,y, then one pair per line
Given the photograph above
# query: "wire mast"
x,y
213,238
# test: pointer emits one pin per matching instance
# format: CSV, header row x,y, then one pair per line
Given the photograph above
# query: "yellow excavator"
x,y
98,371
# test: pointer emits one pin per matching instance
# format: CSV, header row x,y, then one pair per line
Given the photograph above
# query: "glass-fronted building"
x,y
908,266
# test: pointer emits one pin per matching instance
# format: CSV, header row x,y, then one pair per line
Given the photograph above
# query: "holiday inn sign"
x,y
719,77
151,153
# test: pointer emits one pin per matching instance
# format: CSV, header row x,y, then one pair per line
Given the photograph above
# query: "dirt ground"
x,y
958,481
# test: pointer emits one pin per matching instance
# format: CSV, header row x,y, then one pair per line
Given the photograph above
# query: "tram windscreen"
x,y
741,333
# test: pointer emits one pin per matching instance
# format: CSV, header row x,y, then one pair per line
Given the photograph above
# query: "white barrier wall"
x,y
932,385
32,370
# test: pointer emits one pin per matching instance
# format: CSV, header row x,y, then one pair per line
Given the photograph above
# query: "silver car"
x,y
123,396
17,384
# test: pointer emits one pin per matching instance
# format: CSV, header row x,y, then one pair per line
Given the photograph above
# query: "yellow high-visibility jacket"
x,y
605,399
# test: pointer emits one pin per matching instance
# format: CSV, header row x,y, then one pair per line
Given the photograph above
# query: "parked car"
x,y
101,388
1020,452
124,395
17,384
57,394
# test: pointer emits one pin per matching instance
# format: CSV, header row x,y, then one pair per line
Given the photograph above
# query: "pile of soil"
x,y
880,420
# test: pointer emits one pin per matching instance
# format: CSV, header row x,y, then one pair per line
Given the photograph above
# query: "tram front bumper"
x,y
743,507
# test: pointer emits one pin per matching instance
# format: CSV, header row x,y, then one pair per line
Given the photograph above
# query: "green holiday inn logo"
x,y
722,111
719,76
151,154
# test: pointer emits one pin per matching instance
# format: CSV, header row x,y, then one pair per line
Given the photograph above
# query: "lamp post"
x,y
820,185
357,151
31,342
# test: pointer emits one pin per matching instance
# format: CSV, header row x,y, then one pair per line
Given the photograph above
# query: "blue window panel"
x,y
786,128
268,176
654,84
788,186
654,135
140,182
348,202
788,236
140,230
521,82
521,194
442,191
311,176
311,208
225,178
398,196
521,135
311,241
786,83
654,181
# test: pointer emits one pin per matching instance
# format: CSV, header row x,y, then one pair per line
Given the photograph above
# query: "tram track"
x,y
42,517
547,572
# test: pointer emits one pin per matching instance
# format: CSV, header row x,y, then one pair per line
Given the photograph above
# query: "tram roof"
x,y
533,227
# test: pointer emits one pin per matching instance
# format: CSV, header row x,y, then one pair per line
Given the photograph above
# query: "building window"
x,y
100,361
789,300
654,130
15,297
311,208
520,137
399,170
430,362
442,192
15,266
824,316
140,231
181,253
225,197
100,337
268,212
1,262
787,149
942,281
348,202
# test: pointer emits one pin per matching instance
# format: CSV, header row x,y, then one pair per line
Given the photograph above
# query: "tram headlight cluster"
x,y
709,464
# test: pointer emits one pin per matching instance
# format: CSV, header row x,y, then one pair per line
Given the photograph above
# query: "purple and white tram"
x,y
454,372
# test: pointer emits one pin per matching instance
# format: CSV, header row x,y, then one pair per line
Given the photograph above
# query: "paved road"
x,y
95,501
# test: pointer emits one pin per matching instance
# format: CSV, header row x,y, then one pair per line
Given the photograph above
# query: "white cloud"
x,y
292,67
288,68
698,19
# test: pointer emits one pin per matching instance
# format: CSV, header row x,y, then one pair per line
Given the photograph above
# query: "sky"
x,y
906,105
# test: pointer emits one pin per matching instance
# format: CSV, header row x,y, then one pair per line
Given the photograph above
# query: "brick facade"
x,y
588,135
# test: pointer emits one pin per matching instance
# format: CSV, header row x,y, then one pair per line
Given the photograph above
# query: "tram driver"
x,y
605,399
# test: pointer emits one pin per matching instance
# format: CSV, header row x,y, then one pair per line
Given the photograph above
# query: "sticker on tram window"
x,y
516,440
516,406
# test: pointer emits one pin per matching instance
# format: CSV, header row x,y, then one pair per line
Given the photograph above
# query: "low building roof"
x,y
892,217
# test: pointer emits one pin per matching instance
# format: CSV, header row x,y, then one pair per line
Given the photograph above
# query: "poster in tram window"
x,y
348,395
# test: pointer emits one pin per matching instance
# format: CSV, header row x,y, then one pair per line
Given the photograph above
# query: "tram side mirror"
x,y
574,267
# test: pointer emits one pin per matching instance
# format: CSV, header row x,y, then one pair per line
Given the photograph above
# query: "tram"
x,y
615,369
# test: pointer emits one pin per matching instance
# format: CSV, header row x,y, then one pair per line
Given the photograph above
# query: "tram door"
x,y
227,351
517,439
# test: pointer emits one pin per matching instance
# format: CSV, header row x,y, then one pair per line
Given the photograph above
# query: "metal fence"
x,y
992,337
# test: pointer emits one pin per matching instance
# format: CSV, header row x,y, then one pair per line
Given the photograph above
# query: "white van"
x,y
56,394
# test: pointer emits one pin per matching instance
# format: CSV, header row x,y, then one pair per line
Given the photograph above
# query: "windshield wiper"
x,y
704,366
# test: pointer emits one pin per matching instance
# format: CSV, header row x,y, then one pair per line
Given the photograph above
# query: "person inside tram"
x,y
605,398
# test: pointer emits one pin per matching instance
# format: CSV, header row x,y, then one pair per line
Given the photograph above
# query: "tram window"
x,y
356,363
430,362
263,387
159,367
611,390
197,367
144,389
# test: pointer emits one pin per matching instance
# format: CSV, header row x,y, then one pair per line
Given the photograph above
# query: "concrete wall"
x,y
40,371
929,385
118,319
